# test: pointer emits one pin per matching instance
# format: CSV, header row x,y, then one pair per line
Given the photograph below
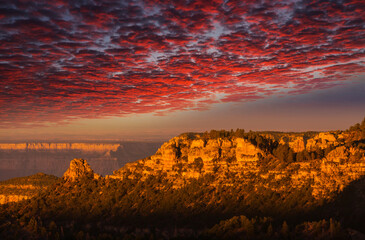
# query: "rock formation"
x,y
230,159
4,198
191,158
304,141
183,158
78,169
93,147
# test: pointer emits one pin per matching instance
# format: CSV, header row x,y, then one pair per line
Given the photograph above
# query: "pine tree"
x,y
269,231
285,229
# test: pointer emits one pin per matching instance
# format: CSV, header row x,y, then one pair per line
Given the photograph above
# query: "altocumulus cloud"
x,y
63,60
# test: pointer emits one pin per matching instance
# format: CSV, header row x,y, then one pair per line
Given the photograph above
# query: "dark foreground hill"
x,y
216,185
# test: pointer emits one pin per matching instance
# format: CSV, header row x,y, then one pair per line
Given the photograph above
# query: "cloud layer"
x,y
63,60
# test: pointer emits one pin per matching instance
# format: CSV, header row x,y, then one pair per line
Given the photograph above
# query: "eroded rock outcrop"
x,y
4,198
304,141
235,158
79,168
184,158
322,141
297,143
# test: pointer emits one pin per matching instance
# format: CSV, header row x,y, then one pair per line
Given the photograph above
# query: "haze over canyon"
x,y
22,159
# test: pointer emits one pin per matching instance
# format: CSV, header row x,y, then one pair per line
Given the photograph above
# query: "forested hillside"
x,y
17,189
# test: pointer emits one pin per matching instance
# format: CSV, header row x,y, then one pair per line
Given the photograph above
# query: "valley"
x,y
211,185
22,159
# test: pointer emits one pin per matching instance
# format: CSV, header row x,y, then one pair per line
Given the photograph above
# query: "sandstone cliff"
x,y
309,141
93,147
7,198
78,169
183,158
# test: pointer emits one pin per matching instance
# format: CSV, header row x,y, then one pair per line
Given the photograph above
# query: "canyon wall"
x,y
87,147
309,141
5,198
236,159
23,159
192,158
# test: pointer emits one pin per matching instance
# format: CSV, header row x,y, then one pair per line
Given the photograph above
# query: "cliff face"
x,y
5,198
87,147
300,141
78,169
183,158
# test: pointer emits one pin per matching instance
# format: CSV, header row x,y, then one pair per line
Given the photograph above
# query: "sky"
x,y
147,70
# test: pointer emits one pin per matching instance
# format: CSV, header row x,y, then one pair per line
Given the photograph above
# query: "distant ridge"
x,y
17,189
22,159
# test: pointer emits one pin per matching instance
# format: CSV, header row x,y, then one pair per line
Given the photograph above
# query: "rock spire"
x,y
79,168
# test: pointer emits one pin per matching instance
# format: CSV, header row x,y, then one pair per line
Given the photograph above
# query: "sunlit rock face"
x,y
245,151
300,141
322,141
79,168
95,147
237,159
4,198
192,158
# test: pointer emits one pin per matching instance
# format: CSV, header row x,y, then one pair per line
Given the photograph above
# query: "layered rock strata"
x,y
79,168
233,159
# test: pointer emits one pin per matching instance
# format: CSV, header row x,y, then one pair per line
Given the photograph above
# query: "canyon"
x,y
194,156
22,159
189,157
232,184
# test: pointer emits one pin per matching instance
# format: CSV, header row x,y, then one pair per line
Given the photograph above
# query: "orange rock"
x,y
79,168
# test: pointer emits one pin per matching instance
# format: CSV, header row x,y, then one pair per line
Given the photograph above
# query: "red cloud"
x,y
63,61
